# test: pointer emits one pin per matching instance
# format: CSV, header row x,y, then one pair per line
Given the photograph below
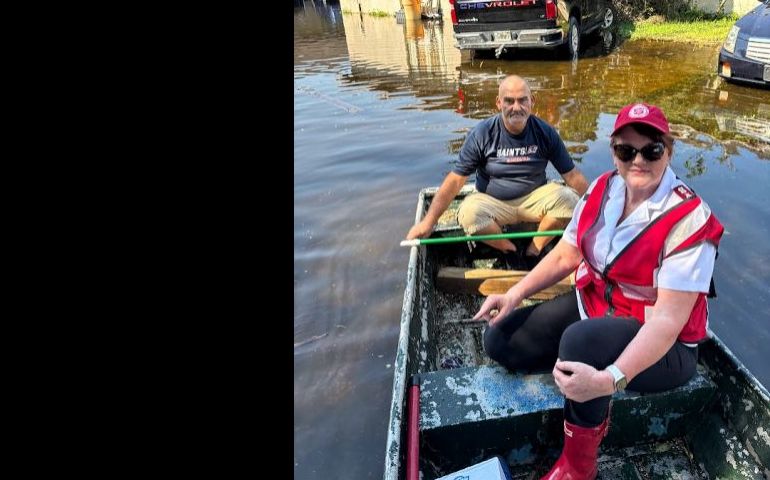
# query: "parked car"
x,y
497,25
745,55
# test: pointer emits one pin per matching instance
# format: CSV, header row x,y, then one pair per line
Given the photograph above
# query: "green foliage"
x,y
669,10
379,13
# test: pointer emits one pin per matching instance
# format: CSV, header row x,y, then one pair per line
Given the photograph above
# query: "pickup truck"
x,y
498,25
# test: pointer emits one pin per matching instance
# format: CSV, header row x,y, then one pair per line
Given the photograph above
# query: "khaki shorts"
x,y
479,210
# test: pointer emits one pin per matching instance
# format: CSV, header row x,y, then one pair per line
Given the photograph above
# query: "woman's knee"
x,y
597,341
579,342
495,343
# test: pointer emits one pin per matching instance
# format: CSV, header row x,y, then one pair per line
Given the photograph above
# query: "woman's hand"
x,y
496,307
581,382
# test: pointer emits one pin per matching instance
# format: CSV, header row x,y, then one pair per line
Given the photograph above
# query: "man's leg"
x,y
481,214
492,229
547,223
551,206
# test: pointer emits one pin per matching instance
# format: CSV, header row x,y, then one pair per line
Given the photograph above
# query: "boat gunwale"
x,y
395,435
740,367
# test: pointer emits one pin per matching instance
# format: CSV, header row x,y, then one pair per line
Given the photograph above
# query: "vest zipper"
x,y
608,297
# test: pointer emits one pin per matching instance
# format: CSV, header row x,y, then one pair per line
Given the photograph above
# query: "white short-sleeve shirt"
x,y
689,270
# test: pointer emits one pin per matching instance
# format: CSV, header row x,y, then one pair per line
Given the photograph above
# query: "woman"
x,y
644,247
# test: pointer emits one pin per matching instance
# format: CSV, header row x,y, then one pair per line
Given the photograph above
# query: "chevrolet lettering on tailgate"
x,y
510,3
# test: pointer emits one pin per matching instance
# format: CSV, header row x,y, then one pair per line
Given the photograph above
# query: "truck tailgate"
x,y
475,12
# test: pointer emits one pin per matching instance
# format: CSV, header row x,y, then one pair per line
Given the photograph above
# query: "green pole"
x,y
497,236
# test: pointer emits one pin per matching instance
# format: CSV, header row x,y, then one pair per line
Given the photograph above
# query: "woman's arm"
x,y
559,262
658,334
581,382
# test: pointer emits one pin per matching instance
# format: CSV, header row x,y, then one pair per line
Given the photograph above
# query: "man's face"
x,y
514,100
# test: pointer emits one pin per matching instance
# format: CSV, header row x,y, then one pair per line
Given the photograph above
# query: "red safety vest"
x,y
634,266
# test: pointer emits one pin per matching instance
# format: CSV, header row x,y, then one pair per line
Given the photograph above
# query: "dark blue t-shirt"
x,y
510,166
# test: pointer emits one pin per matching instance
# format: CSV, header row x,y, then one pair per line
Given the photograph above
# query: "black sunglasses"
x,y
651,152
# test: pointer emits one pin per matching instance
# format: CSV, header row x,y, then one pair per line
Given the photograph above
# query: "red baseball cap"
x,y
641,113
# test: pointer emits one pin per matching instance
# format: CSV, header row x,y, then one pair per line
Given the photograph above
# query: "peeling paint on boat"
x,y
749,404
430,417
731,460
763,435
494,396
473,415
521,456
659,426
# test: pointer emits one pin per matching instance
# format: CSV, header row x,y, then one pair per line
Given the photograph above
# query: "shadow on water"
x,y
381,109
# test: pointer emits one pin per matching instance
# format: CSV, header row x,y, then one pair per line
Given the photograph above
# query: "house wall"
x,y
731,6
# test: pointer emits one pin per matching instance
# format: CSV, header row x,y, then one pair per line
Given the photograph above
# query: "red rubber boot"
x,y
578,459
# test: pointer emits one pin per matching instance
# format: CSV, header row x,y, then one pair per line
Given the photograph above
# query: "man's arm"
x,y
448,190
575,179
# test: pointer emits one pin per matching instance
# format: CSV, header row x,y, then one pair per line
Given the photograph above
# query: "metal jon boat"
x,y
470,408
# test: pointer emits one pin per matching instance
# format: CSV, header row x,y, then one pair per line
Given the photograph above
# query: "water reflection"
x,y
420,57
403,57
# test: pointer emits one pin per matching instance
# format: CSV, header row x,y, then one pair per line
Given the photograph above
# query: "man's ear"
x,y
497,102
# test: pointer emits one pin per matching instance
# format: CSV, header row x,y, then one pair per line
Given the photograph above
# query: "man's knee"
x,y
472,217
562,203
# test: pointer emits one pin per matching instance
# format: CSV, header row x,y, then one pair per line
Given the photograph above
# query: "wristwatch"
x,y
617,375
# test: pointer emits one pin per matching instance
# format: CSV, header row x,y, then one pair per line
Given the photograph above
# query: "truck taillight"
x,y
453,12
550,9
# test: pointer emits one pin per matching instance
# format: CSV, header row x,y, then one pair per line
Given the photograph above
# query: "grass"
x,y
697,31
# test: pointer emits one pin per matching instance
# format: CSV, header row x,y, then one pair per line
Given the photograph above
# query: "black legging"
x,y
531,338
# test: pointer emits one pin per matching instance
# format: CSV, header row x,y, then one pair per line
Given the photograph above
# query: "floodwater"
x,y
380,111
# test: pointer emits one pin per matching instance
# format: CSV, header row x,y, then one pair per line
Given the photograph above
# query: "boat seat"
x,y
519,413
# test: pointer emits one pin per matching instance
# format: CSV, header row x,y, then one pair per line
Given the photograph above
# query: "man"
x,y
509,153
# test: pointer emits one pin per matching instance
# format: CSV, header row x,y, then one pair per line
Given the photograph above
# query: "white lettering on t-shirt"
x,y
516,154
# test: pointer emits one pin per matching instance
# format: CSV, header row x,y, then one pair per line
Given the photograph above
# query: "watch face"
x,y
621,384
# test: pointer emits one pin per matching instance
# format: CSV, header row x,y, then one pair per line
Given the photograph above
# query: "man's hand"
x,y
496,307
421,230
581,382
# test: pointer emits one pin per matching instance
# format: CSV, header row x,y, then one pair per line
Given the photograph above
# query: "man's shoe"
x,y
529,261
511,261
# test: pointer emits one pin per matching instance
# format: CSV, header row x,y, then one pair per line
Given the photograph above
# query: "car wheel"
x,y
608,19
573,38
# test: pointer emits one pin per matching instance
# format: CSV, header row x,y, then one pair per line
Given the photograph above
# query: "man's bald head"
x,y
514,100
513,82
